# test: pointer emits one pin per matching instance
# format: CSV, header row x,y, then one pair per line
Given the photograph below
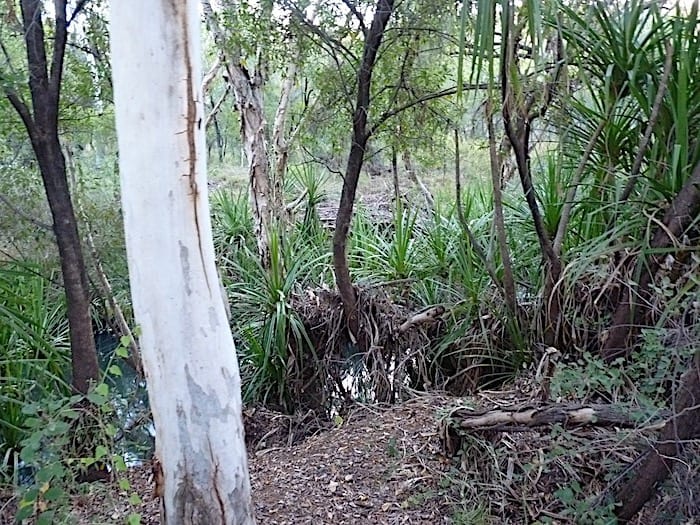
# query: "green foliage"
x,y
646,380
33,347
579,507
270,336
69,439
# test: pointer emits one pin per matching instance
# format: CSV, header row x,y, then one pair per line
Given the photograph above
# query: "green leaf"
x,y
28,454
134,519
96,399
124,341
46,518
54,494
71,414
124,484
122,352
26,509
32,422
119,464
134,499
110,430
565,495
115,370
100,451
102,389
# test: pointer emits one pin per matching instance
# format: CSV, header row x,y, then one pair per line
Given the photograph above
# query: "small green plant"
x,y
70,440
580,509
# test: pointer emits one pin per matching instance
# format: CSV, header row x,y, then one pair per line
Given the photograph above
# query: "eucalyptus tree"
x,y
188,351
45,54
250,39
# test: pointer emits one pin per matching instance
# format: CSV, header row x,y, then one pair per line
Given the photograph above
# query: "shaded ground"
x,y
388,466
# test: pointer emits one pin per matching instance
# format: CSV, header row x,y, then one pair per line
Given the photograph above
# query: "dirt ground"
x,y
377,466
387,465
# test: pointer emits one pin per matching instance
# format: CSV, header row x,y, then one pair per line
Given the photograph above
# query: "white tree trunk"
x,y
188,352
248,83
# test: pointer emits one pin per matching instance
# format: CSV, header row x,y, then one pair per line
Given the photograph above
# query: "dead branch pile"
x,y
386,359
570,462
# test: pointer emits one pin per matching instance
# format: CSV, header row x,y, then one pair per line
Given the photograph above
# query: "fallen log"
x,y
425,316
525,417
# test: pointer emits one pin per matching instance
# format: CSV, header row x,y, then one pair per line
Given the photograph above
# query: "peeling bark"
x,y
247,87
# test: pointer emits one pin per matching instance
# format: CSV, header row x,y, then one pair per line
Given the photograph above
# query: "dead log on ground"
x,y
523,418
517,419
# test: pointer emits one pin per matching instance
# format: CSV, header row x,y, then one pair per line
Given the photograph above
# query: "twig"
x,y
42,225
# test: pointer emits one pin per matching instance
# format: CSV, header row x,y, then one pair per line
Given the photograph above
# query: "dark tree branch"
x,y
630,312
59,51
353,9
421,100
22,110
360,136
333,42
78,8
658,460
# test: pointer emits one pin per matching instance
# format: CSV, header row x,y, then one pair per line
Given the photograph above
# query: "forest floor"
x,y
388,465
376,466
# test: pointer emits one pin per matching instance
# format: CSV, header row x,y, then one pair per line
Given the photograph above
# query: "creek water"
x,y
135,439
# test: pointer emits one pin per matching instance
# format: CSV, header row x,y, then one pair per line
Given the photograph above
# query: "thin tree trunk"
x,y
42,127
279,140
518,117
475,244
413,176
360,136
247,87
104,285
498,217
633,307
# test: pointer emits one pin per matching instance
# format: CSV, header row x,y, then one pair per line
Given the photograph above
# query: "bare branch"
x,y
212,114
353,9
78,8
421,100
22,110
573,187
24,215
211,75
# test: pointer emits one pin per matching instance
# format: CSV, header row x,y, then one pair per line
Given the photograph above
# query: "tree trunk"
x,y
413,176
518,117
632,309
247,84
360,136
279,137
187,347
498,218
659,459
42,127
